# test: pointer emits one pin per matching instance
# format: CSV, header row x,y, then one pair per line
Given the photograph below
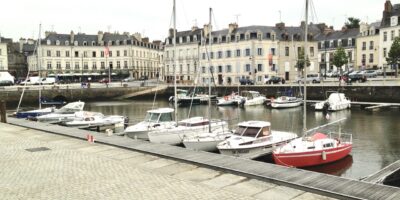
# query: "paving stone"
x,y
250,187
279,193
224,180
176,168
158,163
198,174
311,196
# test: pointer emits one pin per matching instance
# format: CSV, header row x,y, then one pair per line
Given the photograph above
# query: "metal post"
x,y
3,115
174,68
305,71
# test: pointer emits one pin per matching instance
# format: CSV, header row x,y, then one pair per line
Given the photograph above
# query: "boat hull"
x,y
251,152
312,158
286,105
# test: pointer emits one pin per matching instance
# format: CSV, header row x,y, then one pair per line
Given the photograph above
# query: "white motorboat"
x,y
186,128
335,102
180,93
286,102
158,119
206,141
253,139
230,100
67,109
98,120
251,98
64,117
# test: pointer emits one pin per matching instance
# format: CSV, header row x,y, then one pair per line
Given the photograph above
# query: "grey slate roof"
x,y
335,35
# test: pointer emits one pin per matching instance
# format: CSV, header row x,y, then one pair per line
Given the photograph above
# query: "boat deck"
x,y
328,185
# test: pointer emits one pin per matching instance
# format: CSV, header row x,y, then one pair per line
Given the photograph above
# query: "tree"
x,y
394,54
352,22
339,58
301,61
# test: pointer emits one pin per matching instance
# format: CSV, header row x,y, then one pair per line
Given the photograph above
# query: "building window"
x,y
286,51
58,65
85,54
237,52
350,42
259,52
125,64
48,53
117,53
228,54
371,45
212,55
247,52
125,53
77,65
204,56
219,69
228,68
66,53
110,54
247,66
203,70
58,53
260,67
68,65
48,65
363,58
118,64
273,51
364,46
102,54
103,65
311,51
94,54
76,54
219,54
371,58
350,56
94,66
180,69
384,52
385,36
85,65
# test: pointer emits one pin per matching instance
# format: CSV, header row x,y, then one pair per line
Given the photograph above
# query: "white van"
x,y
6,78
48,80
33,80
311,78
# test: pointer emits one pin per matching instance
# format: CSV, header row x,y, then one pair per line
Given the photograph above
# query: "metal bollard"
x,y
3,115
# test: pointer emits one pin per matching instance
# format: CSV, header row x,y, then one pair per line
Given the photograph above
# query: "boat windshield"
x,y
152,117
247,131
191,124
166,117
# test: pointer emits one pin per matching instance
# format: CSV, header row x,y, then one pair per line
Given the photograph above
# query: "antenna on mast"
x,y
237,18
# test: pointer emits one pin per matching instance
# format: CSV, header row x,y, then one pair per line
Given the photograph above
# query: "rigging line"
x,y
314,12
215,21
184,13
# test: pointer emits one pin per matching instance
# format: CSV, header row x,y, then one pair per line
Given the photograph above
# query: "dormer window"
x,y
180,40
350,42
247,36
75,43
394,21
93,43
259,36
339,43
66,42
125,42
237,38
57,42
195,38
84,43
273,36
109,43
48,42
331,44
188,39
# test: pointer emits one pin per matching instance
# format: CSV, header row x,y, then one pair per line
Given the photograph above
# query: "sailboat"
x,y
317,148
188,127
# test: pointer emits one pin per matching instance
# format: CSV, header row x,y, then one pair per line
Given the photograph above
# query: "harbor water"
x,y
376,139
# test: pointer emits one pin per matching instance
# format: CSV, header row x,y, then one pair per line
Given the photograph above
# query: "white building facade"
x,y
3,56
81,54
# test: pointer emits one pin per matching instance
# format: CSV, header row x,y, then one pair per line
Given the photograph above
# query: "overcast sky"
x,y
21,18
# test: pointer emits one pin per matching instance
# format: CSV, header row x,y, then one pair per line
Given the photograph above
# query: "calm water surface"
x,y
376,136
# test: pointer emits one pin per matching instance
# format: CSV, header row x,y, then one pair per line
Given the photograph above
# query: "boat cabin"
x,y
254,129
194,121
251,94
159,115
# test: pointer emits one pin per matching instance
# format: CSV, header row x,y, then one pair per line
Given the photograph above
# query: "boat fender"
x,y
156,125
323,155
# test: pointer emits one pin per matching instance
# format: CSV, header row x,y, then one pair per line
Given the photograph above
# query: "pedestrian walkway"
x,y
39,165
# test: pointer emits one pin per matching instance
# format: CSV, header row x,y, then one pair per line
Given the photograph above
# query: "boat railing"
x,y
342,137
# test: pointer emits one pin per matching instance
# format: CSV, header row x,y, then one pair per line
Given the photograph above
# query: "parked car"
x,y
129,79
370,74
246,81
6,79
332,74
312,78
103,80
143,78
275,80
356,78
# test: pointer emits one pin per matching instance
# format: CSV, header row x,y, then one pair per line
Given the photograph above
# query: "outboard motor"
x,y
126,122
242,101
325,108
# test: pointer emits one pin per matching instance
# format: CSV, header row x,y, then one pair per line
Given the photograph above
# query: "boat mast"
x,y
305,71
175,63
40,66
209,82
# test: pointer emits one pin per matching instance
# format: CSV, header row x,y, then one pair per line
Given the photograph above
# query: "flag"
x,y
107,51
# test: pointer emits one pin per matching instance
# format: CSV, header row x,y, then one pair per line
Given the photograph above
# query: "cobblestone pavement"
x,y
76,169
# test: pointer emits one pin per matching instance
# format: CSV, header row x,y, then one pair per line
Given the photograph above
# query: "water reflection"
x,y
336,168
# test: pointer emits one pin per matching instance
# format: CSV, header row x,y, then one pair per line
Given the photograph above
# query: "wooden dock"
x,y
327,185
381,175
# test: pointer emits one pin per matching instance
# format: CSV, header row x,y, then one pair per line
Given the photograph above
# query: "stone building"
x,y
80,55
252,52
3,54
330,40
368,46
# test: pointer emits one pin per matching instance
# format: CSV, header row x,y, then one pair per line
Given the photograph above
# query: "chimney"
x,y
207,30
157,42
303,24
100,36
233,27
328,30
21,44
171,33
388,6
72,35
145,40
138,36
280,25
194,28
